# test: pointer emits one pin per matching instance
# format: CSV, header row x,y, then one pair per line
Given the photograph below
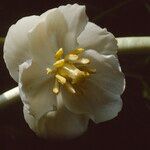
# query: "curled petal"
x,y
108,72
35,88
32,122
94,37
58,124
99,96
47,37
16,46
42,35
76,19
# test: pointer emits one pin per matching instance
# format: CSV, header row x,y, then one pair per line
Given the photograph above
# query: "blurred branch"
x,y
114,8
145,85
147,6
146,90
9,96
129,45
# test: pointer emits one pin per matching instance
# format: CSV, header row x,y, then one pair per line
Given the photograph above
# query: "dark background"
x,y
131,129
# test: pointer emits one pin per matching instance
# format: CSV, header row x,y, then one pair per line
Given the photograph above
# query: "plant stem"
x,y
9,96
129,45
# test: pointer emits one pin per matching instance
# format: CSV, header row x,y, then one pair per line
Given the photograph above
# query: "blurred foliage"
x,y
2,39
147,5
146,90
111,10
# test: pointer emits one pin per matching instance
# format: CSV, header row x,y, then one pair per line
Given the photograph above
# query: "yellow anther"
x,y
86,73
48,70
71,57
77,51
55,90
70,70
70,88
87,69
83,61
91,70
60,78
59,63
80,50
56,87
59,54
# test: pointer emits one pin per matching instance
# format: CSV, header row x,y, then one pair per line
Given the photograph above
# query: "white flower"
x,y
83,79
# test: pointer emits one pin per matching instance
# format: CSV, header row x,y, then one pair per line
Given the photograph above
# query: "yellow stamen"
x,y
59,63
77,51
83,61
56,87
48,70
71,57
60,78
86,73
70,87
59,54
70,70
91,70
87,69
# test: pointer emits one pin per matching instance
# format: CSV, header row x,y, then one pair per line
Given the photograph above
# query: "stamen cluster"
x,y
69,70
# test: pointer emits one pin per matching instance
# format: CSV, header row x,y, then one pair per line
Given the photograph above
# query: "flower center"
x,y
69,70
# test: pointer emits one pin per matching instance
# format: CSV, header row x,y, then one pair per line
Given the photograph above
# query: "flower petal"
x,y
29,118
99,95
16,46
108,71
47,37
35,89
76,20
62,123
94,37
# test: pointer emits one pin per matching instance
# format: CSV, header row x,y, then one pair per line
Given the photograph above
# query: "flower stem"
x,y
9,96
133,45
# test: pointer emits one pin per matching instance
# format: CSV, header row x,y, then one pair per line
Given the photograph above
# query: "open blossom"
x,y
67,71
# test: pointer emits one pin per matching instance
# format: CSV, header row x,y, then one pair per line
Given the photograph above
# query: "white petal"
x,y
16,46
99,96
35,89
62,123
32,122
76,20
98,104
47,37
94,37
108,71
